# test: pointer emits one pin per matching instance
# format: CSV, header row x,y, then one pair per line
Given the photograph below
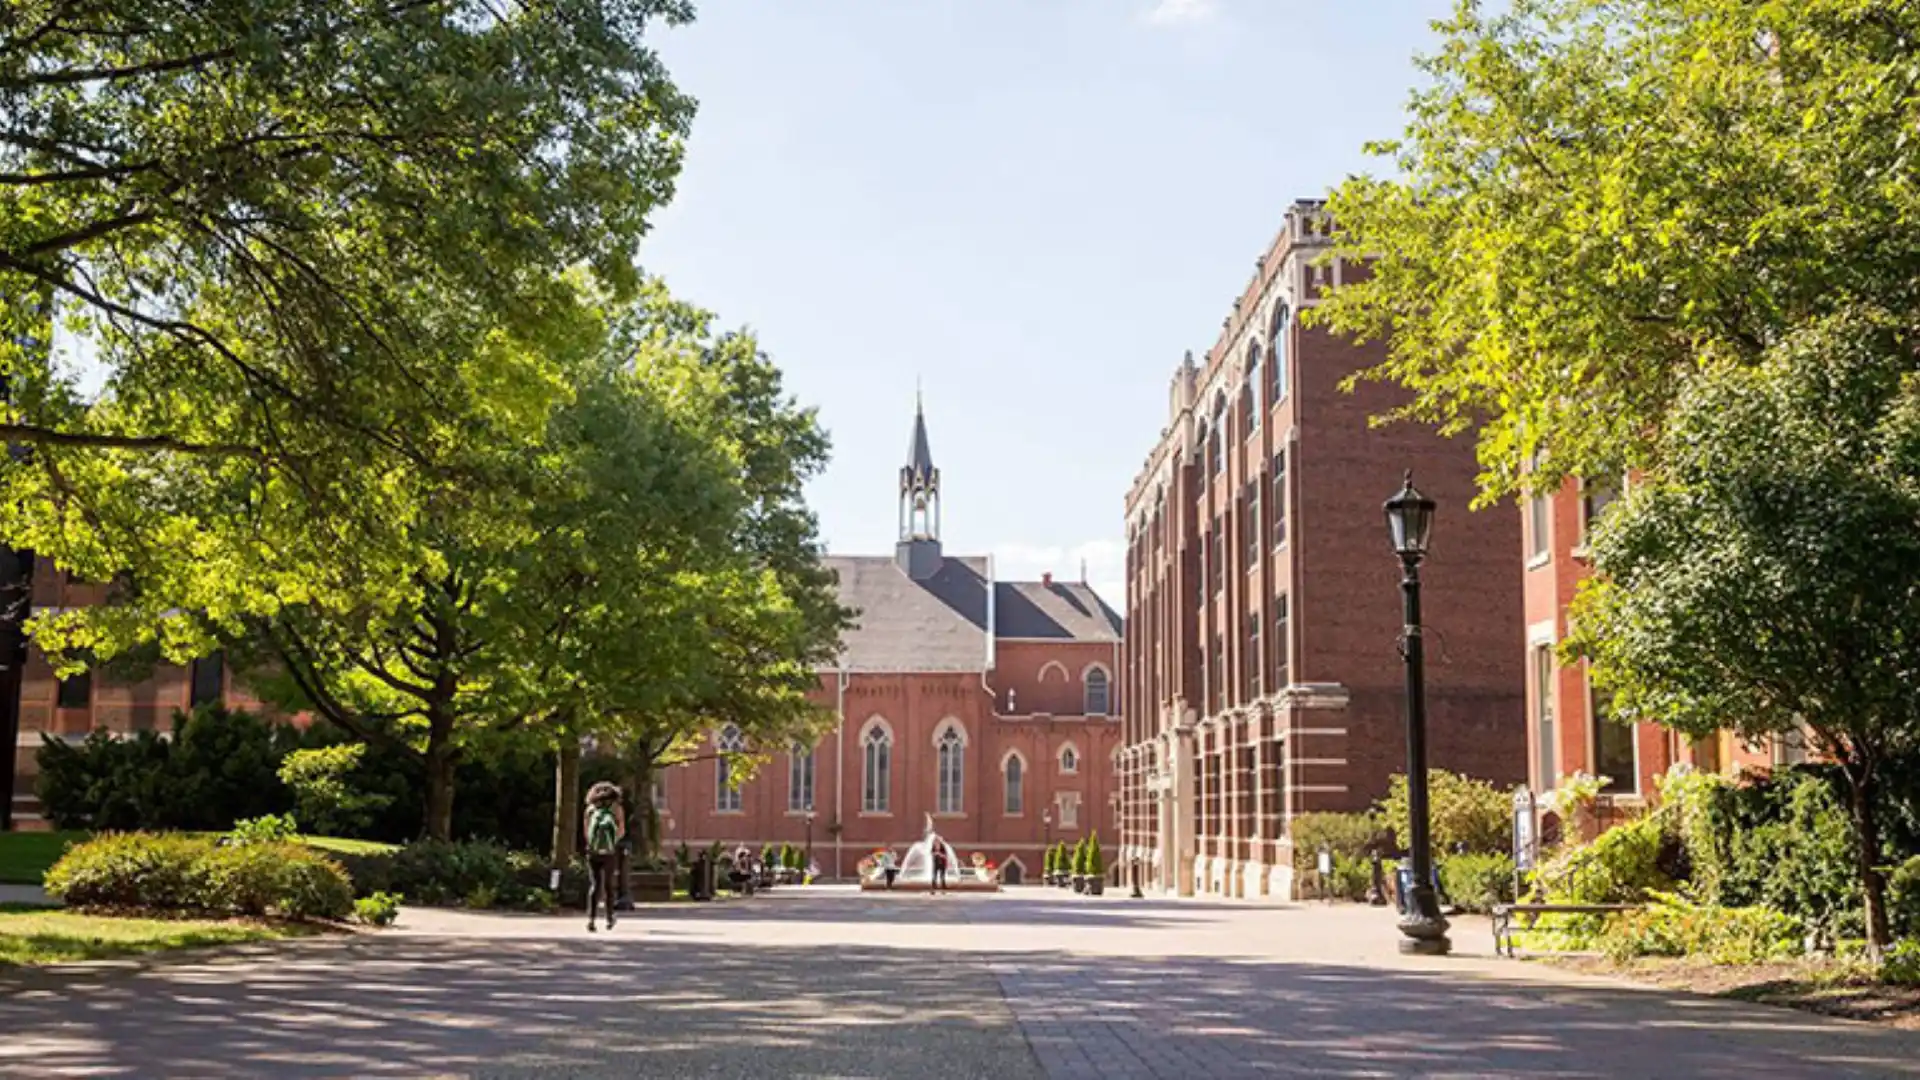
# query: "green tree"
x,y
309,246
1594,198
1768,580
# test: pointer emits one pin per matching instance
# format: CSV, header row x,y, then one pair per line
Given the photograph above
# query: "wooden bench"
x,y
1503,915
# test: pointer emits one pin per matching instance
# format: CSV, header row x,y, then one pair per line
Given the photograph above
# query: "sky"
x,y
1028,209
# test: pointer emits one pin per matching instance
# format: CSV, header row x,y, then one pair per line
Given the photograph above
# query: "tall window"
x,y
1097,692
1219,553
1277,351
1250,393
1016,786
799,778
1595,496
1254,660
877,771
726,794
1069,759
1539,521
209,680
1279,498
1282,677
1549,773
1612,746
76,692
1220,439
1067,814
1250,522
953,763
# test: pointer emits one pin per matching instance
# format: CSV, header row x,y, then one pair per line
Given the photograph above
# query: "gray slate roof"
x,y
940,623
1062,611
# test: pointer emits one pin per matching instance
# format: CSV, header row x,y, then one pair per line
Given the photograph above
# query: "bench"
x,y
1503,915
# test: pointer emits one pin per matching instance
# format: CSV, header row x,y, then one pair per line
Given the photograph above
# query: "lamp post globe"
x,y
1410,528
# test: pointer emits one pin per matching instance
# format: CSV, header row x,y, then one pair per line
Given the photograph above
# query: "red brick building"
x,y
1263,607
992,705
71,709
1568,729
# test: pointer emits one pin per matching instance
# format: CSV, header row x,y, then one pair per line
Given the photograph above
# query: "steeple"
x,y
918,552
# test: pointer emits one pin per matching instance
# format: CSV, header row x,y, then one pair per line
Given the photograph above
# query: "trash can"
x,y
1403,885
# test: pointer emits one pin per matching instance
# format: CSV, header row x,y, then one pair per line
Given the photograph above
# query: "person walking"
x,y
889,868
606,827
939,864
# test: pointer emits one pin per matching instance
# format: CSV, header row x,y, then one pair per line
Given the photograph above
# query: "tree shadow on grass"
x,y
637,1006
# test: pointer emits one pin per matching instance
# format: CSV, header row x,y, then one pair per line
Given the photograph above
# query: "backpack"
x,y
603,832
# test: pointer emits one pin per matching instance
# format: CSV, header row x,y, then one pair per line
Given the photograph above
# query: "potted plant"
x,y
651,881
1058,854
1080,866
1096,867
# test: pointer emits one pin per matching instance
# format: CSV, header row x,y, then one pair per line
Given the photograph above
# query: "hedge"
x,y
179,872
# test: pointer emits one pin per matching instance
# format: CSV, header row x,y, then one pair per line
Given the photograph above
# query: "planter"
x,y
651,886
1096,886
1079,883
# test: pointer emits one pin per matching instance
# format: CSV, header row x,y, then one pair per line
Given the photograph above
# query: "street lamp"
x,y
1410,524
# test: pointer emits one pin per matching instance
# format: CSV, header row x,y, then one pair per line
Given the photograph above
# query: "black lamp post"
x,y
1410,523
803,872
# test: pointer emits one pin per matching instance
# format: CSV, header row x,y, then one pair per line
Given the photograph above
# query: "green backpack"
x,y
603,832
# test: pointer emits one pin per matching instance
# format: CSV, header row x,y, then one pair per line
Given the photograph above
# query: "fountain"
x,y
916,870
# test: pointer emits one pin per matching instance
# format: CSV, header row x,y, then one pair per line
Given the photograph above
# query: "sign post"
x,y
1526,835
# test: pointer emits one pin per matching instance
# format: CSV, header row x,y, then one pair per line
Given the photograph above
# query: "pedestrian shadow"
x,y
397,1005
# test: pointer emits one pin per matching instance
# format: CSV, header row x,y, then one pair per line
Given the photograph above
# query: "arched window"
x,y
953,763
1096,691
877,771
1277,349
1069,759
1220,437
726,795
799,779
1250,392
1016,774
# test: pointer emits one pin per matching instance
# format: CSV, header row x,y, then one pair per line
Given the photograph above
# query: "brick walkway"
x,y
1022,986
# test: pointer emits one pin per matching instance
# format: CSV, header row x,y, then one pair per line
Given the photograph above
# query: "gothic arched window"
x,y
726,797
1097,694
876,771
953,758
1016,785
1250,391
1277,350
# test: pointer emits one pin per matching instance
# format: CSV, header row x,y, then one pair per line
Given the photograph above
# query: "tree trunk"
x,y
1873,884
643,824
440,761
566,801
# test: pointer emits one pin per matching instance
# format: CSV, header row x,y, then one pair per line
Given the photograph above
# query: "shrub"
x,y
174,872
132,870
1901,965
1096,860
275,878
1621,866
378,909
1783,841
1352,878
474,873
1477,882
1464,814
1672,926
321,779
1343,834
267,829
1903,898
105,783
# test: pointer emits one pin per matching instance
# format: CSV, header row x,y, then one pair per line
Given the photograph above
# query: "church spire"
x,y
919,483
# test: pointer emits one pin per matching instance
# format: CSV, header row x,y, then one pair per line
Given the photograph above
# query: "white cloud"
x,y
1181,12
1106,563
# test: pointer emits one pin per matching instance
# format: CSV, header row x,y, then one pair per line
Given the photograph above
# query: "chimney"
x,y
1046,578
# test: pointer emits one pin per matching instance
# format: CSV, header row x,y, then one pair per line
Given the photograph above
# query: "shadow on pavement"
x,y
509,1006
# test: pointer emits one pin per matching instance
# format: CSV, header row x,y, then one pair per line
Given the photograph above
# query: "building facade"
x,y
73,708
993,706
1569,728
1263,600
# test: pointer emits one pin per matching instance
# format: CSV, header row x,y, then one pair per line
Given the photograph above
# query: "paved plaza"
x,y
830,983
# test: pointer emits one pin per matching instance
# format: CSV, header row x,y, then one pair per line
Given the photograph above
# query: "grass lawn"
x,y
30,937
25,856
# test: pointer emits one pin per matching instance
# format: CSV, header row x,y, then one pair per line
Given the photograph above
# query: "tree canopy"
x,y
1595,198
278,227
1768,579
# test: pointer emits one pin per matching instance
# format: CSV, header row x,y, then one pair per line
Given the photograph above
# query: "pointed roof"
x,y
919,455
